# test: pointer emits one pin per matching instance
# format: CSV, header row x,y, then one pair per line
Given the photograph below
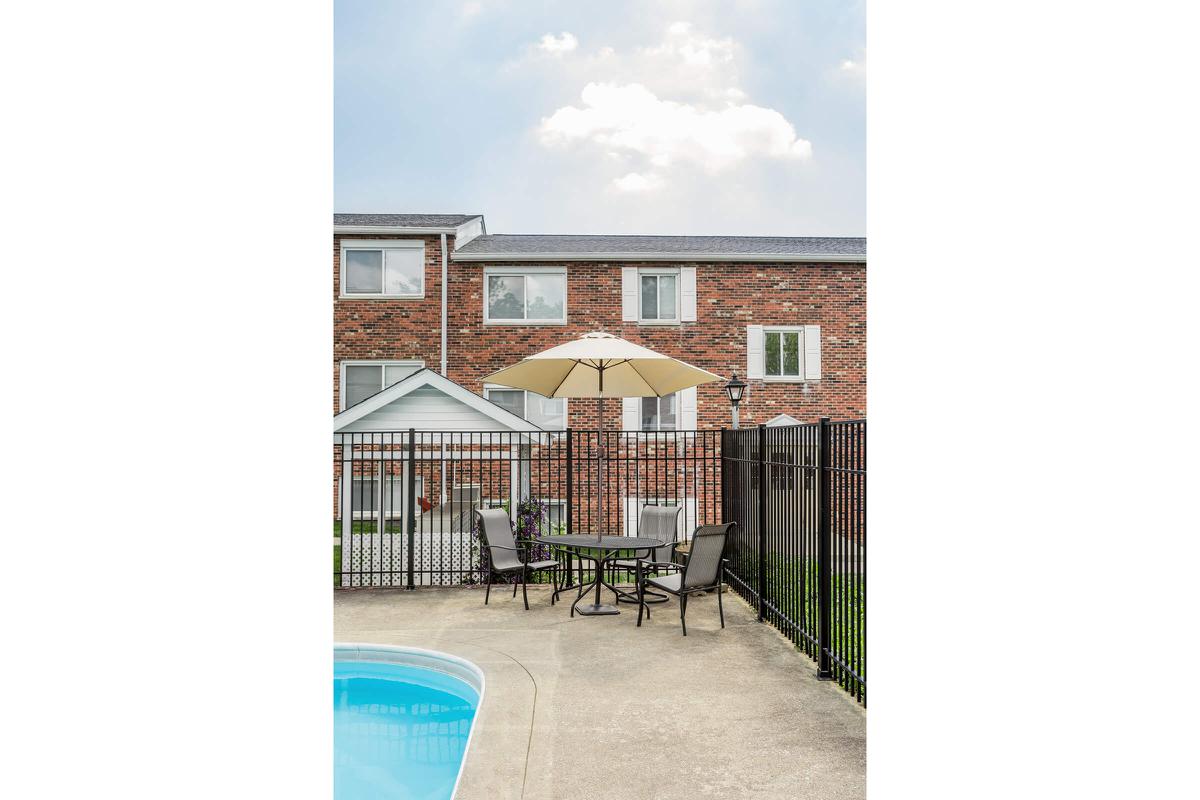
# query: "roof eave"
x,y
821,258
368,229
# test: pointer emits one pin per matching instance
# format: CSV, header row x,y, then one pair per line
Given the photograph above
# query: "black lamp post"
x,y
735,388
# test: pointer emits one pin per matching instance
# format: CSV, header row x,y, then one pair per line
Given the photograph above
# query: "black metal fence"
x,y
798,494
550,482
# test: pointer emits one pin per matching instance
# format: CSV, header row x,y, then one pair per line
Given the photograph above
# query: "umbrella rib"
x,y
643,377
564,378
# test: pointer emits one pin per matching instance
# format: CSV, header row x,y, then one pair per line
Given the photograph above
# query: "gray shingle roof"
x,y
507,246
404,220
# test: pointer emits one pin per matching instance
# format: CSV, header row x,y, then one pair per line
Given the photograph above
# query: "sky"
x,y
709,117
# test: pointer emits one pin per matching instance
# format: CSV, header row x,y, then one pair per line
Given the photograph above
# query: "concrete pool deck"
x,y
595,707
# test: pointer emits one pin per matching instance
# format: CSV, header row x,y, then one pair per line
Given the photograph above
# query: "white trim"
x,y
376,500
469,230
353,362
522,272
680,258
379,244
427,377
658,414
656,271
797,329
496,387
367,230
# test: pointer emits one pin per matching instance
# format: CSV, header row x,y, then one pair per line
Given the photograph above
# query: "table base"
x,y
596,610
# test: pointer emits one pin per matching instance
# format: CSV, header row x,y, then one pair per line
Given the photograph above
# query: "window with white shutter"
x,y
783,353
629,294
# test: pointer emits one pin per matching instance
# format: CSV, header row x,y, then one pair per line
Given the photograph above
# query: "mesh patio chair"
x,y
503,557
703,572
661,523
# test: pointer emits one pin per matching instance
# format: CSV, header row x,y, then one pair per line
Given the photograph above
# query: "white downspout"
x,y
445,289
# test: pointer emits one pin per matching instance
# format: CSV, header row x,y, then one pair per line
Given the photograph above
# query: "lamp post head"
x,y
735,388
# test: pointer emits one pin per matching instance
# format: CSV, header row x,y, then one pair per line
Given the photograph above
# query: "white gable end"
x,y
427,401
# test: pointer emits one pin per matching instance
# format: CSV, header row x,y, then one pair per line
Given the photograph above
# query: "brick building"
x,y
436,290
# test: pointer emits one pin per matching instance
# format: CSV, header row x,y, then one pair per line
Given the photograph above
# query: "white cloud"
x,y
558,45
691,49
634,182
855,69
470,9
632,119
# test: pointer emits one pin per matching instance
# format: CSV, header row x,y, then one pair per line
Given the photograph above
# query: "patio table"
x,y
600,550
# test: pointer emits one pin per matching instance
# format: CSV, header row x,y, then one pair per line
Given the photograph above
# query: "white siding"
x,y
426,409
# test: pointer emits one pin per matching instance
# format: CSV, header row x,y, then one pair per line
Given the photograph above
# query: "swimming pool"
x,y
402,721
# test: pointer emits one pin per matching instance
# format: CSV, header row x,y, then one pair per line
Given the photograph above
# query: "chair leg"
x,y
641,590
553,585
683,612
515,584
488,593
720,607
524,593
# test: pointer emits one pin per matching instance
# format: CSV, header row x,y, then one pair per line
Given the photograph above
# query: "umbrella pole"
x,y
600,462
603,454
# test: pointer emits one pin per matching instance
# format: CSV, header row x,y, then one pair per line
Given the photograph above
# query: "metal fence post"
x,y
570,507
824,611
410,493
762,522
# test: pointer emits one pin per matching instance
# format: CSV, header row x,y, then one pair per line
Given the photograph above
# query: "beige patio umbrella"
x,y
601,365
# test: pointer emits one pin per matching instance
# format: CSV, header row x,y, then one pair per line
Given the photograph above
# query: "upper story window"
x,y
361,379
659,297
545,412
782,348
660,413
783,353
525,296
388,268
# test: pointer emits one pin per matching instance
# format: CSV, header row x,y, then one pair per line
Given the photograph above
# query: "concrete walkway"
x,y
595,707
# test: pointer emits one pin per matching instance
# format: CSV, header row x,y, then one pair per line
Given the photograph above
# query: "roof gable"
x,y
427,401
782,419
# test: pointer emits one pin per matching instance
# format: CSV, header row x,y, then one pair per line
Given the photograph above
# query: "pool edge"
x,y
446,663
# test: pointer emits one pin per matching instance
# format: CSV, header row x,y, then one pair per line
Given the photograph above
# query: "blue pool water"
x,y
398,731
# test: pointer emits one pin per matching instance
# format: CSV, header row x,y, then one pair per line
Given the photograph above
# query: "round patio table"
x,y
602,550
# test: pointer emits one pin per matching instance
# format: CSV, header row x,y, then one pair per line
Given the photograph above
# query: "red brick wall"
x,y
729,297
369,329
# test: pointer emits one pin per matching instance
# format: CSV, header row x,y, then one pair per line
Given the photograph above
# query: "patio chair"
x,y
503,557
661,523
703,572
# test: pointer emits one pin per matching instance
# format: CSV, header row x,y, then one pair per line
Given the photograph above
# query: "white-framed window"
x,y
783,353
658,296
556,514
660,413
782,356
383,268
368,491
525,295
545,412
676,412
361,379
